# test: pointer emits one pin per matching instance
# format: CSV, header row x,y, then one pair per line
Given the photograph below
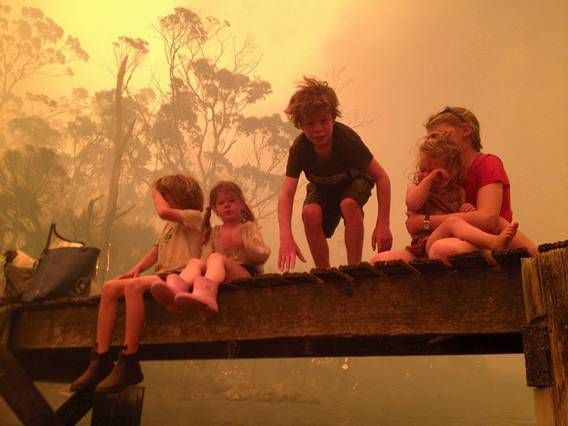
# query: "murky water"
x,y
434,391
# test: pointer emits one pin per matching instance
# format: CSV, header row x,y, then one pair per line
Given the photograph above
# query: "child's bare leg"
x,y
313,220
134,296
354,230
459,228
194,268
520,239
219,268
101,362
111,293
403,255
444,248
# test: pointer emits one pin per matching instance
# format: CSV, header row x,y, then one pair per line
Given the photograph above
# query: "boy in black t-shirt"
x,y
341,172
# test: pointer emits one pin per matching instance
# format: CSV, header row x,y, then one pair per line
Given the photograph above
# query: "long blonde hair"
x,y
439,147
455,116
224,186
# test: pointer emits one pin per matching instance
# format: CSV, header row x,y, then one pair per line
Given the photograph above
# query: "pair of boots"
x,y
174,293
103,375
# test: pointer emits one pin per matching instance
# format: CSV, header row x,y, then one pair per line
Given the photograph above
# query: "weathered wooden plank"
x,y
395,268
332,275
361,270
552,246
486,301
545,282
510,257
429,266
469,260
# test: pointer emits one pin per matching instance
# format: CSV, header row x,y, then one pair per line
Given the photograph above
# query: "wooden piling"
x,y
545,287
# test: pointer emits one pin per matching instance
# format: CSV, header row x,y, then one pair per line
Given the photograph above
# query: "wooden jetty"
x,y
392,308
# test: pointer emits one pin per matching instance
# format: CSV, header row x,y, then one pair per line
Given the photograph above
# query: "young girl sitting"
x,y
232,250
178,199
438,189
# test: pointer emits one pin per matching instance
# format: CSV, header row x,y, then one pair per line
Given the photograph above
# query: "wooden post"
x,y
119,409
545,287
17,388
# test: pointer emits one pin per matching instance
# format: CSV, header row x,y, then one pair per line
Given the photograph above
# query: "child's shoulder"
x,y
344,132
191,218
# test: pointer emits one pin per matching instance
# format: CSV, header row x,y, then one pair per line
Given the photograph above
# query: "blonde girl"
x,y
234,249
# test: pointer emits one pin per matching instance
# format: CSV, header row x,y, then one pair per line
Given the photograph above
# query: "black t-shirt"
x,y
349,158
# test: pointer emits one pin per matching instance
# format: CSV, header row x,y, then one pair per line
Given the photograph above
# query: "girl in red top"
x,y
487,189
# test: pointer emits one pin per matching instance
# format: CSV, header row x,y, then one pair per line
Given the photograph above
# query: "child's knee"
x,y
350,209
112,289
312,215
135,286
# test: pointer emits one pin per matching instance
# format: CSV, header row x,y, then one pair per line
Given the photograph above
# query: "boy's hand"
x,y
382,238
287,255
467,207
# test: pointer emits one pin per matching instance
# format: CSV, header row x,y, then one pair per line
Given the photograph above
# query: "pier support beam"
x,y
545,287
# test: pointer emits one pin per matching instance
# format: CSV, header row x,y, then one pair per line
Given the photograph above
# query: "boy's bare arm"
x,y
382,237
485,217
147,261
288,247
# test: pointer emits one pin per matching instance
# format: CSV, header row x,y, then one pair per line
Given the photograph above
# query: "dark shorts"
x,y
328,198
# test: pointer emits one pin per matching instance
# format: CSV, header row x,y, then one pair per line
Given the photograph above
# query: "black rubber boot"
x,y
99,367
126,372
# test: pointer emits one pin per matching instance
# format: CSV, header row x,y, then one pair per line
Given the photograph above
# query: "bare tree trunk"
x,y
119,147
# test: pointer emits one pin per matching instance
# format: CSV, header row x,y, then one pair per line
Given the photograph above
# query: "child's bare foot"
x,y
503,240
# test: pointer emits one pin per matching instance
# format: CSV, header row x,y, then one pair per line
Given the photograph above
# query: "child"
x,y
178,199
341,172
232,250
438,189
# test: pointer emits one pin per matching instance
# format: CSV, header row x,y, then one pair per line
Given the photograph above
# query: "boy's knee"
x,y
350,208
312,215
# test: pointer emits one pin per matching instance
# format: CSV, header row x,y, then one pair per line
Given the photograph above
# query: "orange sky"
x,y
288,34
506,60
